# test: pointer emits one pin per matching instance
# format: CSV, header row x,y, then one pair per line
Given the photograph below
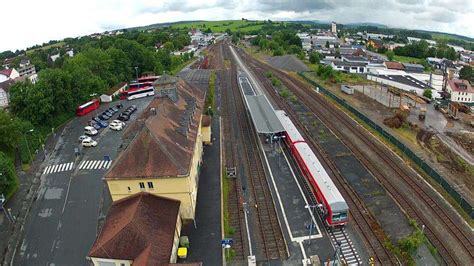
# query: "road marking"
x,y
101,164
82,164
62,167
95,164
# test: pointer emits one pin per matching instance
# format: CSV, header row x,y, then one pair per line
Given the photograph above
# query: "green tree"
x,y
314,58
169,46
390,55
466,73
8,178
10,130
279,51
327,44
428,93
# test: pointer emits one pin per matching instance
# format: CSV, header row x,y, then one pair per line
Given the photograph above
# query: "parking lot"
x,y
62,223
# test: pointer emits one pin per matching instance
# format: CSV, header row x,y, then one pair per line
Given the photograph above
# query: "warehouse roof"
x,y
163,138
406,80
139,228
263,115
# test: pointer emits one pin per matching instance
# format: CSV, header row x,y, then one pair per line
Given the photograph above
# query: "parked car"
x,y
116,126
95,118
104,117
115,109
89,143
123,117
91,131
109,114
97,126
83,137
103,124
118,122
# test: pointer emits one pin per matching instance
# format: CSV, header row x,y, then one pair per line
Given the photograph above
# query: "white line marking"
x,y
56,167
61,167
94,164
101,164
88,163
46,170
71,165
82,164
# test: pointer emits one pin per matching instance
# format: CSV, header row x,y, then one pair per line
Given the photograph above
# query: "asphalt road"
x,y
62,223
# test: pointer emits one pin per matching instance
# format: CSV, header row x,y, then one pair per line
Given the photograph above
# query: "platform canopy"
x,y
263,115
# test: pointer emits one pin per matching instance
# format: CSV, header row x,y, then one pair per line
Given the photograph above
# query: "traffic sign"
x,y
227,242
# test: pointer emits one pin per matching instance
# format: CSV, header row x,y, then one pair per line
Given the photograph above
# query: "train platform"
x,y
290,201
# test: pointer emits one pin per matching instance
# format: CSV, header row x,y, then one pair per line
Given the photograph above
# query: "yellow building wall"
x,y
183,189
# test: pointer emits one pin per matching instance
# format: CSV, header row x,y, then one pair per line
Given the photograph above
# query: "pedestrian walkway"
x,y
98,164
58,168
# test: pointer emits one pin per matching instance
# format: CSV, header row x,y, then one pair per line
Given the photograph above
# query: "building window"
x,y
142,185
150,185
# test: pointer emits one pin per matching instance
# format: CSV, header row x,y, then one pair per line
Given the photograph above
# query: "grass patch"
x,y
407,59
210,98
181,66
228,230
54,45
243,26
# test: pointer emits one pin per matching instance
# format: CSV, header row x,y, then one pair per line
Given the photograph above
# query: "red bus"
x,y
87,107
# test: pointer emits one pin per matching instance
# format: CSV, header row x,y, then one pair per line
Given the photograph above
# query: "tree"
x,y
390,55
466,73
428,93
279,51
8,178
10,130
327,44
314,58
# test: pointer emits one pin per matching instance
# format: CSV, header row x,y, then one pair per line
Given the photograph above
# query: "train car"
x,y
332,205
292,135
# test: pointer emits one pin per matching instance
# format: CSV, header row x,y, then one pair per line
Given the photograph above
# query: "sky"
x,y
33,22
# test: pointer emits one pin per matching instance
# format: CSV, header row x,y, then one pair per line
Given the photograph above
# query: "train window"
x,y
339,216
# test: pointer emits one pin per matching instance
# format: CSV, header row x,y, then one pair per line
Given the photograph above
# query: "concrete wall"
x,y
3,98
401,86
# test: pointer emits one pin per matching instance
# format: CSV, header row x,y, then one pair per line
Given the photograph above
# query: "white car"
x,y
83,137
89,143
117,127
118,122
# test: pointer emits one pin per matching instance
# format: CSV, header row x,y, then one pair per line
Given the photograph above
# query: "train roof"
x,y
325,184
289,127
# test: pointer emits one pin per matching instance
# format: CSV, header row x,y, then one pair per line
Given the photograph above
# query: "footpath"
x,y
19,204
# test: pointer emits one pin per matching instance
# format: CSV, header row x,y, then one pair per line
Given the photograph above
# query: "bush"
x,y
8,178
428,93
314,58
276,82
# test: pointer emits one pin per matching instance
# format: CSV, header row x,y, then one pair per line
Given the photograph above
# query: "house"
x,y
465,57
7,63
392,45
54,57
70,52
354,59
163,147
142,229
394,65
7,74
4,92
460,90
349,67
27,69
403,82
375,43
359,52
414,68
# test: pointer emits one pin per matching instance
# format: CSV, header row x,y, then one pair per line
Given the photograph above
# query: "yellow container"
x,y
182,252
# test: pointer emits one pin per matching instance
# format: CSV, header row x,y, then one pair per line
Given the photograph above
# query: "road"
x,y
62,223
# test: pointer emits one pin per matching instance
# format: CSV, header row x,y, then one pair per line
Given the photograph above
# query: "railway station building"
x,y
163,148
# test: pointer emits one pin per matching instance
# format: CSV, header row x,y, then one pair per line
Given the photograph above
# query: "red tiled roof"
x,y
460,85
6,72
394,65
157,148
139,228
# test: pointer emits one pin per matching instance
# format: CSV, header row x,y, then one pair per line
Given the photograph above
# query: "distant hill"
x,y
366,24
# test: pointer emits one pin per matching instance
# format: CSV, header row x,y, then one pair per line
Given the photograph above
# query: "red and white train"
x,y
332,205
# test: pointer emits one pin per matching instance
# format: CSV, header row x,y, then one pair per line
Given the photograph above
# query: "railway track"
x,y
454,244
361,217
270,244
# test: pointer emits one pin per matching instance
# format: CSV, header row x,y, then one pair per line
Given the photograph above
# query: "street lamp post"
x,y
136,74
27,145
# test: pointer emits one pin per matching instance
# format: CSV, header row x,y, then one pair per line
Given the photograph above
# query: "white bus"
x,y
148,91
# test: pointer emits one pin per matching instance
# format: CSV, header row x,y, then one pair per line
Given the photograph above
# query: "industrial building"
x,y
163,147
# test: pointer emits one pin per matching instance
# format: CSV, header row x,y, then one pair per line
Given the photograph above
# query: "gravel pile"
x,y
287,63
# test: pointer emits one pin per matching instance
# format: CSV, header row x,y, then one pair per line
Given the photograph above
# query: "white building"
x,y
334,27
349,67
460,90
54,57
7,74
413,39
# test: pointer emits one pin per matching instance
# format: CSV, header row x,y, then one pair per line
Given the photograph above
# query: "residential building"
x,y
375,36
7,74
460,90
392,45
349,67
375,43
163,151
54,57
355,59
7,63
322,40
70,53
4,92
403,82
465,57
413,39
27,69
414,68
334,27
142,229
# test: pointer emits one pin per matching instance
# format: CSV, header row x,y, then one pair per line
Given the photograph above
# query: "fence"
x,y
466,206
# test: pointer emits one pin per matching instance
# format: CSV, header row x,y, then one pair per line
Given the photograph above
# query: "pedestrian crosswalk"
x,y
97,164
58,168
89,165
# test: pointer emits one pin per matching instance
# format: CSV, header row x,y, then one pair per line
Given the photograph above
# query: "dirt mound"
x,y
288,63
397,120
